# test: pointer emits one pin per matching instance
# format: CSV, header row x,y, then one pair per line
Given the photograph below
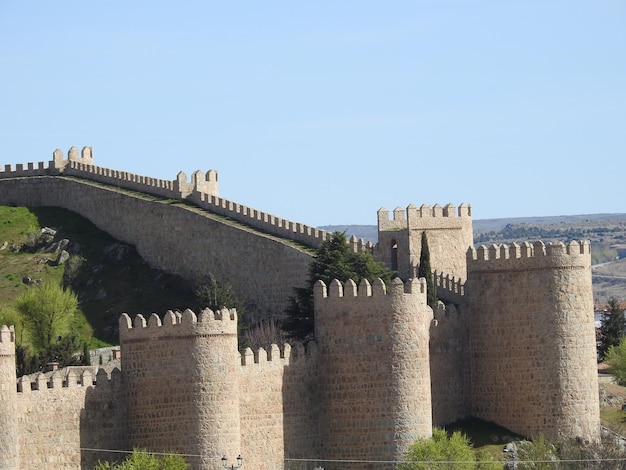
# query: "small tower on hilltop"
x,y
9,443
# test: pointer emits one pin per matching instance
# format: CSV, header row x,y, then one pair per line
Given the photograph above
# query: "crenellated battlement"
x,y
449,289
208,322
281,356
349,289
69,378
528,255
413,215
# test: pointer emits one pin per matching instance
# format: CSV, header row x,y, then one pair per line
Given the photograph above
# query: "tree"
x,y
425,270
453,451
332,260
615,357
141,460
613,327
47,310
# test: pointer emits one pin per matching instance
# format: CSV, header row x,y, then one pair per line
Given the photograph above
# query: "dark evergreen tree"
x,y
613,327
424,270
333,260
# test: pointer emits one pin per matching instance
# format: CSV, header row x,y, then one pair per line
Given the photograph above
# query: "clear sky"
x,y
324,111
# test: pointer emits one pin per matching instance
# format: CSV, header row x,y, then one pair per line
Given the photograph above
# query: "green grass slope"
x,y
108,276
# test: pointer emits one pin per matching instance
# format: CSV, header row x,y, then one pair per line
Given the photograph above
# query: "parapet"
x,y
414,216
538,254
220,322
349,290
69,378
449,288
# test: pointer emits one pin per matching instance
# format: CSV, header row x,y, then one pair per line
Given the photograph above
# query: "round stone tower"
x,y
374,359
181,384
9,443
533,345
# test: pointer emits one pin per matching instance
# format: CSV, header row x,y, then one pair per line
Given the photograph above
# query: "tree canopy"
x,y
333,260
425,270
613,327
47,311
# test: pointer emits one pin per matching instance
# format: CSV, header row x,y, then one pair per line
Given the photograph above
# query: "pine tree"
x,y
424,270
333,260
613,327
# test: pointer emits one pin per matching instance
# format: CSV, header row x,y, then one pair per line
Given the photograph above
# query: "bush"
x,y
615,358
453,451
141,460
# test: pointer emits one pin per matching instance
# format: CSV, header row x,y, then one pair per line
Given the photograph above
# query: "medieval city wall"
x,y
178,238
449,365
57,420
279,405
532,333
203,190
69,421
374,363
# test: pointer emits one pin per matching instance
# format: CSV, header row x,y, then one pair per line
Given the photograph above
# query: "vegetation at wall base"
x,y
332,260
142,460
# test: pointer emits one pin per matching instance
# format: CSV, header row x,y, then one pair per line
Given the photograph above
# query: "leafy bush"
x,y
615,358
141,460
441,451
538,454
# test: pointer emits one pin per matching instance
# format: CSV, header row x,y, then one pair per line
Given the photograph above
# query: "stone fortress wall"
x,y
514,344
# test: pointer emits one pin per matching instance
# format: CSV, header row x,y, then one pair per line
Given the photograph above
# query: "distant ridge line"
x,y
370,232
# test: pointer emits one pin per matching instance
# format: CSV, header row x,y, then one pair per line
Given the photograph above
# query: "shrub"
x,y
452,451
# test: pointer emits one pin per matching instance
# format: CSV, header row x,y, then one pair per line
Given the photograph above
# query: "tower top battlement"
x,y
220,322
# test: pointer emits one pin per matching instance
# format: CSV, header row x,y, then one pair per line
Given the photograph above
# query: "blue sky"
x,y
322,112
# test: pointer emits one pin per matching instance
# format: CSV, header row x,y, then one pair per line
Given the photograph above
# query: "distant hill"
x,y
370,232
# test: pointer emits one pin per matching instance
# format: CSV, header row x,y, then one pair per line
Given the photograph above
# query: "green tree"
x,y
48,311
441,451
425,270
615,357
141,460
332,260
216,296
613,327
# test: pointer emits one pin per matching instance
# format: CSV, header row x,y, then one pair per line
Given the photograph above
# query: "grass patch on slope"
x,y
110,278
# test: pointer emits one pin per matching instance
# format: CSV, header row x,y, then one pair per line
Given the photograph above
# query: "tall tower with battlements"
x,y
532,339
9,442
375,390
449,233
181,378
